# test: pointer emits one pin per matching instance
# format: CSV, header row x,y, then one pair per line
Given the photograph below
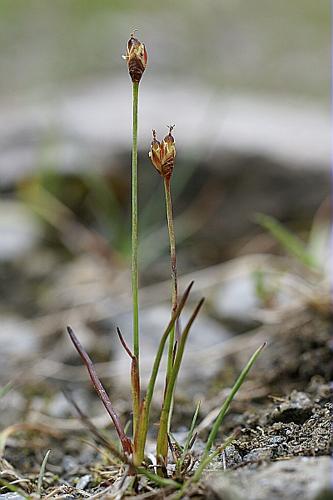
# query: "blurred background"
x,y
247,85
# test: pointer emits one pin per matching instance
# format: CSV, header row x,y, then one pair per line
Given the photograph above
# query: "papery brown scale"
x,y
168,166
136,59
163,154
156,160
155,153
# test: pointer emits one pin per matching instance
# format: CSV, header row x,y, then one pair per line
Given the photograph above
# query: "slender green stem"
x,y
172,238
135,280
174,284
135,276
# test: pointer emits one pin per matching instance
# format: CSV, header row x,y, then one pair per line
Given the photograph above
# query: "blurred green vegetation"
x,y
96,207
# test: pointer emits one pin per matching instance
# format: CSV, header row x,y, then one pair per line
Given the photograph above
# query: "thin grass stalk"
x,y
189,437
134,270
173,258
227,402
141,436
162,438
174,286
42,474
202,466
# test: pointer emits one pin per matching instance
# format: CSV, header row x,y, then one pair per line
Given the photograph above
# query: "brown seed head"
x,y
136,57
155,153
163,154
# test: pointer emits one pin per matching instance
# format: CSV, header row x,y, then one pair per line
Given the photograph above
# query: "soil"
x,y
292,417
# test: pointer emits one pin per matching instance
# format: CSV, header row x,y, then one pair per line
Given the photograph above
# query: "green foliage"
x,y
5,389
288,240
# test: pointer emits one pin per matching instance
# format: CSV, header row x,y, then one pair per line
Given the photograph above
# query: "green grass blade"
x,y
162,438
42,473
202,466
289,241
14,489
204,463
189,436
140,438
4,390
227,402
160,481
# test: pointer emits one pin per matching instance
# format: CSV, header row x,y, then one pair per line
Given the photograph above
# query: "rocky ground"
x,y
283,412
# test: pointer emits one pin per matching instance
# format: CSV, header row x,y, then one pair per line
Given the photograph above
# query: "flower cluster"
x,y
162,154
136,57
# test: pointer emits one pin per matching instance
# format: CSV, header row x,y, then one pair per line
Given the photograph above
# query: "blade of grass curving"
x,y
288,240
160,481
42,474
162,438
125,441
5,389
124,344
202,466
189,437
204,463
227,402
14,489
141,435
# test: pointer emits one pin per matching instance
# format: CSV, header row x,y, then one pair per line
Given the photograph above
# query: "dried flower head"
x,y
136,57
162,154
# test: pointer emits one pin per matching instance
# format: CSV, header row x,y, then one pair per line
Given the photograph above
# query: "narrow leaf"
x,y
189,437
42,474
141,435
289,241
162,441
204,463
124,344
227,402
125,441
135,382
5,389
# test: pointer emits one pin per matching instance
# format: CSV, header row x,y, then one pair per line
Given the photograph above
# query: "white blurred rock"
x,y
306,478
94,127
19,229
